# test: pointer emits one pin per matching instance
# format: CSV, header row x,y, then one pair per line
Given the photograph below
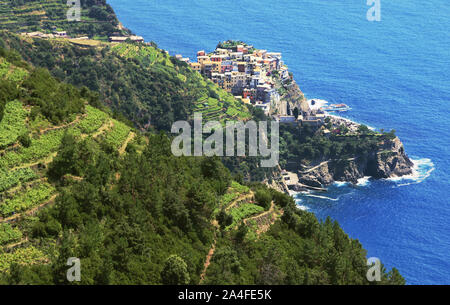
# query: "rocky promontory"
x,y
388,161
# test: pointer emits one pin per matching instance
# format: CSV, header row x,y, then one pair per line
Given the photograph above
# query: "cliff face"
x,y
391,162
388,161
295,97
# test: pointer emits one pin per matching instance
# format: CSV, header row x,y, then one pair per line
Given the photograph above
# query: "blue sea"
x,y
394,74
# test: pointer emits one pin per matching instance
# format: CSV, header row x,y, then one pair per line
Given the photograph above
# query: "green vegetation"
x,y
233,193
244,211
94,120
117,136
263,198
22,256
145,216
145,55
241,189
298,249
57,101
306,145
175,271
40,148
9,179
140,81
170,200
26,200
9,72
13,124
230,44
9,234
97,16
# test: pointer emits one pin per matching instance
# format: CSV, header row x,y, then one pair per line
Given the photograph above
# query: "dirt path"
x,y
45,160
211,251
324,162
130,138
77,120
208,261
12,246
104,127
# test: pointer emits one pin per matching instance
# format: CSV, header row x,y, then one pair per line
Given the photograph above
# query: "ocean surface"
x,y
394,74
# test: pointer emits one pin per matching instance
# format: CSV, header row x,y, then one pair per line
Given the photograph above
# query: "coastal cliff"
x,y
294,97
390,160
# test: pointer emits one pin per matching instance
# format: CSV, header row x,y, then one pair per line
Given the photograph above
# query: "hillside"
x,y
74,182
38,114
97,18
77,181
141,81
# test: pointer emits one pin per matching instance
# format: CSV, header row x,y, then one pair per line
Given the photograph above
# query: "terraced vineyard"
x,y
10,72
10,179
13,123
239,203
234,192
223,107
21,189
26,199
147,55
94,120
9,234
213,102
117,135
242,212
25,256
34,15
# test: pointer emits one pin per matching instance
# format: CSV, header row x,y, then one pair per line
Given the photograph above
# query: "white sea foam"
x,y
340,183
293,193
422,169
363,181
322,197
350,120
302,207
298,204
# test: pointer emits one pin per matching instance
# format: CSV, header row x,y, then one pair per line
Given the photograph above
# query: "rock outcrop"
x,y
295,98
388,161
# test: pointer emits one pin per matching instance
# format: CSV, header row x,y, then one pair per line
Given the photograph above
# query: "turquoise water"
x,y
394,74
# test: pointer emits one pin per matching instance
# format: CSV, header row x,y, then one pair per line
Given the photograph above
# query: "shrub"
x,y
263,198
25,140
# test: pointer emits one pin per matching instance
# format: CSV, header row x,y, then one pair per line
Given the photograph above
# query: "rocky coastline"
x,y
388,161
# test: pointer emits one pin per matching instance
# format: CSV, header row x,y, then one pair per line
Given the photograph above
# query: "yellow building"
x,y
196,66
216,67
202,59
